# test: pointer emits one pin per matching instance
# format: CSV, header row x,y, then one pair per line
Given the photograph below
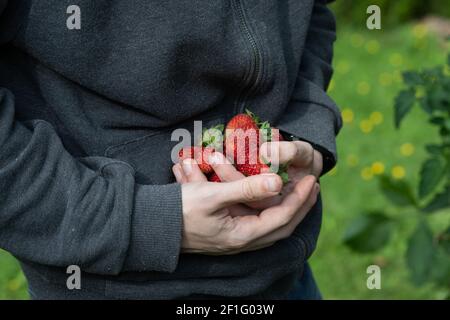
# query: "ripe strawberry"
x,y
243,136
200,154
214,178
241,129
253,169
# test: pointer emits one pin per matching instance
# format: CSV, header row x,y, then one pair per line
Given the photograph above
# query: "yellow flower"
x,y
352,160
373,46
357,40
363,88
376,117
14,284
377,168
366,126
343,67
420,43
385,79
420,31
407,149
398,172
347,115
366,173
396,59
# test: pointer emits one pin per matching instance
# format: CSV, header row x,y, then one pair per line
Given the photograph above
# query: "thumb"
x,y
248,189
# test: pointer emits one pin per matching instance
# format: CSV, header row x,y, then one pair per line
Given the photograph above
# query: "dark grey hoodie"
x,y
85,135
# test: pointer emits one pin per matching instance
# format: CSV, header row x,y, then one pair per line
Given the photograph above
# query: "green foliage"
x,y
433,170
369,232
397,191
419,255
427,255
353,12
403,104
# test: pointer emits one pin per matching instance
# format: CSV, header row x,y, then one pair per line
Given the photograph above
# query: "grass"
x,y
367,78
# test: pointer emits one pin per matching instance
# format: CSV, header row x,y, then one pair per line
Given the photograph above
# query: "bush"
x,y
392,12
428,253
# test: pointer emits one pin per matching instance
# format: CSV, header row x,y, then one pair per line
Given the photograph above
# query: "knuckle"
x,y
248,190
235,243
286,219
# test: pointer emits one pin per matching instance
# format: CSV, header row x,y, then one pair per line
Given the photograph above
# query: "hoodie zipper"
x,y
252,81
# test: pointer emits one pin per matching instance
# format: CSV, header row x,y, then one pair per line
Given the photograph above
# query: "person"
x,y
89,97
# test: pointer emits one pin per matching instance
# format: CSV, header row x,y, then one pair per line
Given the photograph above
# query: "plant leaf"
x,y
440,272
412,78
431,173
398,192
368,232
440,201
403,104
433,149
420,253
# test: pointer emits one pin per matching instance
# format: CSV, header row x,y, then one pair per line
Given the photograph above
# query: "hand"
x,y
303,160
301,157
210,225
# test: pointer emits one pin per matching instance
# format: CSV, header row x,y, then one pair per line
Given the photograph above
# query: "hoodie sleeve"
x,y
311,115
58,210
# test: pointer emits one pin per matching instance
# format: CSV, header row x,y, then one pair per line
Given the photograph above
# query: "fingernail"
x,y
213,159
187,166
177,173
317,188
272,184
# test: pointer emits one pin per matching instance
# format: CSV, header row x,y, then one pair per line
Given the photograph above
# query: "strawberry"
x,y
247,129
200,154
242,128
253,169
214,178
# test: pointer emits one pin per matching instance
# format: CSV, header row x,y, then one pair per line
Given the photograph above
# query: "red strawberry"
x,y
253,169
214,178
243,136
200,154
242,128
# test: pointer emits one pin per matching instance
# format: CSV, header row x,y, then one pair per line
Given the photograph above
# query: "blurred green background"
x,y
368,66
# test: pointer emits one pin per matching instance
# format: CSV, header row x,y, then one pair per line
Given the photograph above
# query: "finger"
x,y
178,173
288,229
227,172
224,168
245,190
278,152
192,172
304,155
271,219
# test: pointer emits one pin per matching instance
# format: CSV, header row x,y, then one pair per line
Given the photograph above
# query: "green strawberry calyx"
x,y
264,126
213,137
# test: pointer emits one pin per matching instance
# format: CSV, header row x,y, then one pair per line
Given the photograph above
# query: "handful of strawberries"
x,y
240,142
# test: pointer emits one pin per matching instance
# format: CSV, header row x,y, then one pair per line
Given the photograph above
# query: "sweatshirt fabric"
x,y
86,117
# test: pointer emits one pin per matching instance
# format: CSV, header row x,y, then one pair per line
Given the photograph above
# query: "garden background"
x,y
368,66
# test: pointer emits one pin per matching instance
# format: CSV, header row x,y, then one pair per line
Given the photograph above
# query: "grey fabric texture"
x,y
86,118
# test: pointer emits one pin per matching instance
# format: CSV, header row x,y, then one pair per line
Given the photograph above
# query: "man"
x,y
86,115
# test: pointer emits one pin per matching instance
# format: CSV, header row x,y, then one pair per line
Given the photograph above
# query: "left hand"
x,y
302,158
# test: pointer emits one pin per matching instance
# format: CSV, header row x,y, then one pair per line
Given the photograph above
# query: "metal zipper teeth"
x,y
252,83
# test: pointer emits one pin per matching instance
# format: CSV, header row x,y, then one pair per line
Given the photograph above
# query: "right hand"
x,y
214,222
